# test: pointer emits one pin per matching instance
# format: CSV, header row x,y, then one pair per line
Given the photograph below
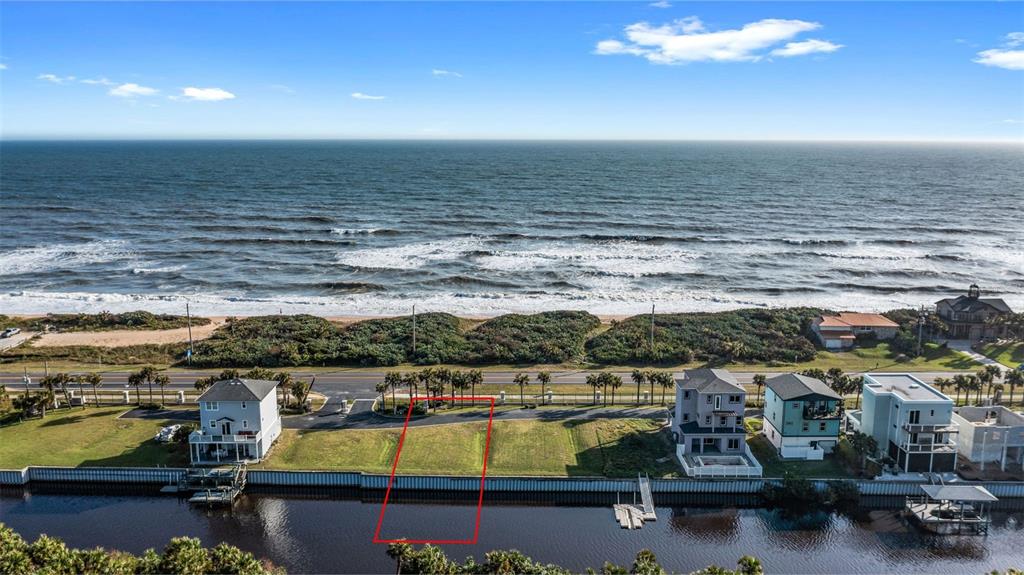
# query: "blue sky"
x,y
670,70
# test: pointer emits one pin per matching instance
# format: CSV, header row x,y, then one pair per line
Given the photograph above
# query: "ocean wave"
x,y
160,270
365,232
46,258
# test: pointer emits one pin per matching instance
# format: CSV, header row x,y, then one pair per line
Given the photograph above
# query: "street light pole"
x,y
414,330
188,316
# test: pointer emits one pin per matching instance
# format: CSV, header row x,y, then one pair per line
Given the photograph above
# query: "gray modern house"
x,y
708,425
239,421
911,421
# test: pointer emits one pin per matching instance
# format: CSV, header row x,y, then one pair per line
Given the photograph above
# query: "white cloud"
x,y
805,47
687,40
132,90
3,66
362,96
55,78
1005,57
999,58
438,72
204,94
1013,121
97,81
282,88
660,4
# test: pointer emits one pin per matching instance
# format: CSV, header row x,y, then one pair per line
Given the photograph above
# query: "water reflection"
x,y
330,530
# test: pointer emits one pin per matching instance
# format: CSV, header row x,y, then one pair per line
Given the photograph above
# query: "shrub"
x,y
269,341
748,335
103,321
549,337
388,341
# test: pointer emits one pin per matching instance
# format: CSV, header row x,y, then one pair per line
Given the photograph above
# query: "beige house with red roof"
x,y
839,332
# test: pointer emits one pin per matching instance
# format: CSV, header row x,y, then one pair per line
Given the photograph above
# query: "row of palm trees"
x,y
287,386
435,380
986,380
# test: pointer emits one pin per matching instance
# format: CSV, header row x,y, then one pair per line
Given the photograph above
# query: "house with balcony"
x,y
708,425
911,421
239,421
971,316
991,434
801,416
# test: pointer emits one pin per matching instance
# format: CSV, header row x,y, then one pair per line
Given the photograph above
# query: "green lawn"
x,y
1010,354
86,438
877,357
612,447
764,451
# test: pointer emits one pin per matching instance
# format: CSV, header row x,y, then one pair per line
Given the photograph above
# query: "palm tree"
x,y
638,378
54,382
284,383
942,383
834,378
544,379
615,382
94,379
135,380
80,380
974,384
411,381
147,375
381,389
857,385
594,382
162,380
960,383
476,377
1013,379
460,381
666,381
759,381
392,381
985,378
260,373
522,380
652,377
201,384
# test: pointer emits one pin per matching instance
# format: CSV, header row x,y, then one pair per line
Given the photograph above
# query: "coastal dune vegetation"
x,y
103,321
756,337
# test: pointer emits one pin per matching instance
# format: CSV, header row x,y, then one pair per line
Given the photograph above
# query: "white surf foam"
x,y
52,257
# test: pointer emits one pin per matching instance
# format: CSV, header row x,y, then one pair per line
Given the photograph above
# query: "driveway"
x,y
964,346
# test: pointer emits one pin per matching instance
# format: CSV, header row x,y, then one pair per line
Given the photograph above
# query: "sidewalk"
x,y
964,346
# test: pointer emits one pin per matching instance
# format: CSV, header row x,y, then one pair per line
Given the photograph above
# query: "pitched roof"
x,y
852,319
707,380
974,304
239,390
958,493
793,385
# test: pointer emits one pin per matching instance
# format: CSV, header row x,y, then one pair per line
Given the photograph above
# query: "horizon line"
x,y
501,139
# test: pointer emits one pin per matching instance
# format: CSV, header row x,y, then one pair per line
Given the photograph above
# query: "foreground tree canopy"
x,y
184,555
431,559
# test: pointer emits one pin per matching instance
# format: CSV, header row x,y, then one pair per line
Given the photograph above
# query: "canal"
x,y
331,531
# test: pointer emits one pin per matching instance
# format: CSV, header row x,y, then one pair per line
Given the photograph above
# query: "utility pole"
x,y
26,380
414,329
921,316
188,316
652,331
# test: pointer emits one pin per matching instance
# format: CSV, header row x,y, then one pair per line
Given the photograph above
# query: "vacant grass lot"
x,y
86,438
610,447
764,451
1008,353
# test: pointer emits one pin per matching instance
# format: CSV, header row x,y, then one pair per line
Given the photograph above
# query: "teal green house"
x,y
801,416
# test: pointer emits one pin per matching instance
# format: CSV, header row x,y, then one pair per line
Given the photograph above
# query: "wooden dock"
x,y
632,516
218,486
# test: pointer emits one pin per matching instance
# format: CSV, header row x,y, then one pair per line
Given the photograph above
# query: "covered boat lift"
x,y
951,509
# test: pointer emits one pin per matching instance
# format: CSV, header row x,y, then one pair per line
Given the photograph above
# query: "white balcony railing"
x,y
202,437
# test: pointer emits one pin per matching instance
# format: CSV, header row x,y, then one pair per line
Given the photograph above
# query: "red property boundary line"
x,y
394,467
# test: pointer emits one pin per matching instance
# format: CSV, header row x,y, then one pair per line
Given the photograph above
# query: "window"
x,y
796,404
686,417
213,424
821,426
718,402
806,426
243,405
707,420
245,424
686,394
933,413
709,399
212,406
915,416
723,420
735,398
734,444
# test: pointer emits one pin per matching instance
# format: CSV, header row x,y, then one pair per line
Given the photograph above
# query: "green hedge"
x,y
103,321
550,337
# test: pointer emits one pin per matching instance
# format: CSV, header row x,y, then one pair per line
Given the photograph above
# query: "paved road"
x,y
15,340
361,416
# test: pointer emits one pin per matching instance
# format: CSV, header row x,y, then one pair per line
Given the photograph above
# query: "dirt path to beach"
x,y
118,338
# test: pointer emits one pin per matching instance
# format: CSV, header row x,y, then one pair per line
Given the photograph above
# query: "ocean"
x,y
481,228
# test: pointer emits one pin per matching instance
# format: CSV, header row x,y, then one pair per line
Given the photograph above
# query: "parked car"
x,y
166,435
11,331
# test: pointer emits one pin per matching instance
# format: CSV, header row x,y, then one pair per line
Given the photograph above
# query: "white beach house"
x,y
239,421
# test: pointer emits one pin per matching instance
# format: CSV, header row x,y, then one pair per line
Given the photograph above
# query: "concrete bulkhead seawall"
x,y
272,478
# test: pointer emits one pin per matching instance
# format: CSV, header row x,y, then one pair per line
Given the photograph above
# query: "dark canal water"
x,y
331,531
